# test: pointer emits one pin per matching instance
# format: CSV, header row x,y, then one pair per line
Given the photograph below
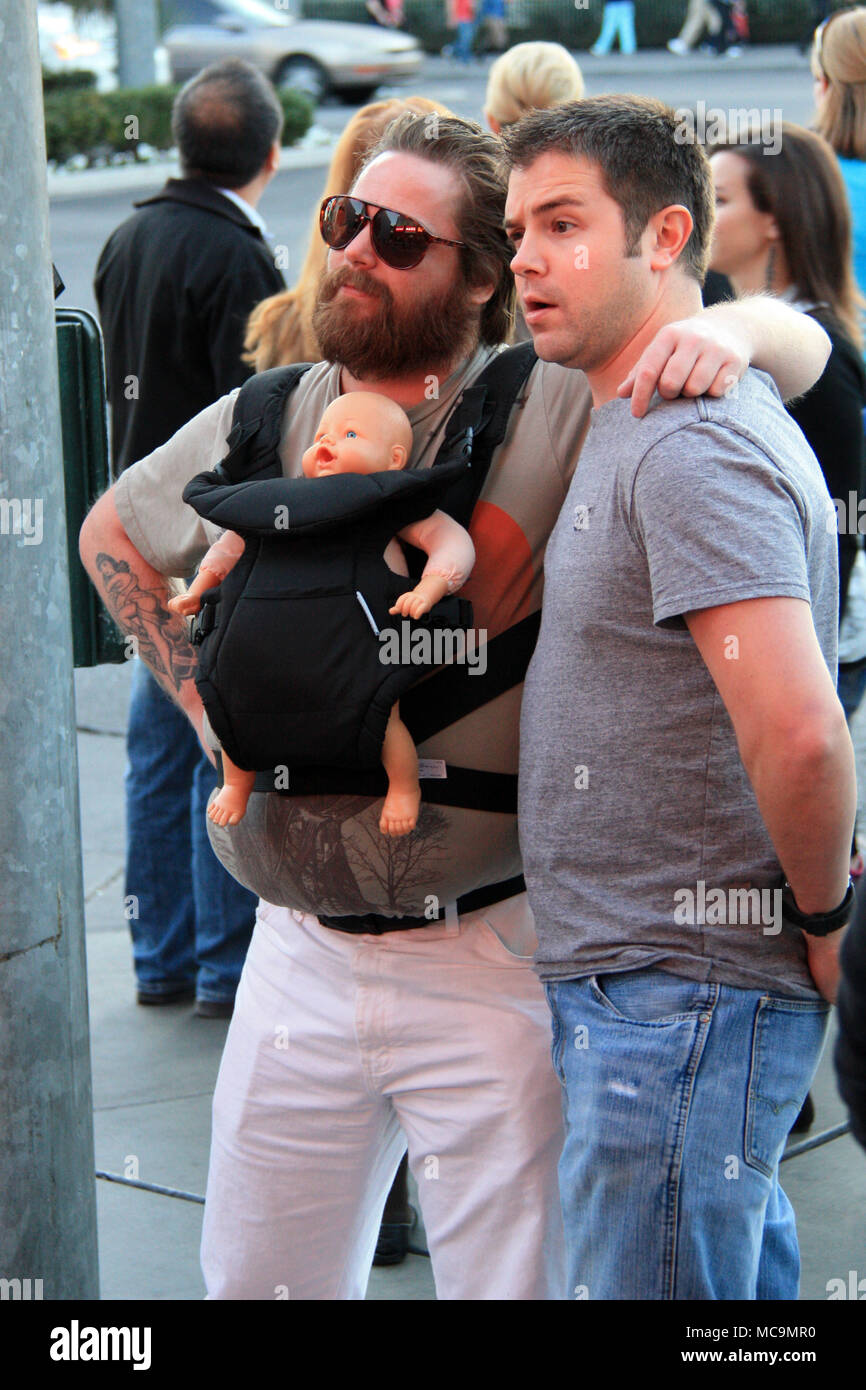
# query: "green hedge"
x,y
96,124
75,79
576,23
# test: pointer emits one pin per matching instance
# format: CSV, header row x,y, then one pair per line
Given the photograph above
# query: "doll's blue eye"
x,y
351,434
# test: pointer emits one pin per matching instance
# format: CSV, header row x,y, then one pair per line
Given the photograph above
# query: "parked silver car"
x,y
314,56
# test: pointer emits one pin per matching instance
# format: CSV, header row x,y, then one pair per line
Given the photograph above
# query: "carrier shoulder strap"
x,y
485,409
257,424
480,421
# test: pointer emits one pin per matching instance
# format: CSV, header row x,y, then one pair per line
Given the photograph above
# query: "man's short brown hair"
x,y
647,159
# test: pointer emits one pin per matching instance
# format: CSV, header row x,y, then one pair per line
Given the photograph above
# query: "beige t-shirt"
x,y
325,854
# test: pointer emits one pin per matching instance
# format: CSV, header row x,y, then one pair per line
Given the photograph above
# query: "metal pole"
x,y
47,1189
137,37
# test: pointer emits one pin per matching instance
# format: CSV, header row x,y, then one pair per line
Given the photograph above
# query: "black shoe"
x,y
181,995
392,1247
806,1117
214,1008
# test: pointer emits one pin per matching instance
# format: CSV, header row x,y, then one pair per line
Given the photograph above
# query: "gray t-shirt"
x,y
635,807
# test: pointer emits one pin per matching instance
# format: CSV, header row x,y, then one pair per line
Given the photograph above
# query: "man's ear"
x,y
667,232
272,163
479,294
399,456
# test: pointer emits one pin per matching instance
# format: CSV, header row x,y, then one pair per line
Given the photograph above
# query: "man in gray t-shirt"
x,y
681,742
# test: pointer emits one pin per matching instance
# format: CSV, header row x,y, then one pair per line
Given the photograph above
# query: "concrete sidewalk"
x,y
154,1072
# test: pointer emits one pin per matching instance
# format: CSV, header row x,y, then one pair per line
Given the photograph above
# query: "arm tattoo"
x,y
161,637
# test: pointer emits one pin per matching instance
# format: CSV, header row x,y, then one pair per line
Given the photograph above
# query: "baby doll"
x,y
360,432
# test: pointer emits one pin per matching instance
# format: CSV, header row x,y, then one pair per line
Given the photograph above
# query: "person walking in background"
x,y
174,285
701,15
495,33
461,16
387,13
617,23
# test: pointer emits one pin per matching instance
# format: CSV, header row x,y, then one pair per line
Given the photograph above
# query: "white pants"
x,y
340,1050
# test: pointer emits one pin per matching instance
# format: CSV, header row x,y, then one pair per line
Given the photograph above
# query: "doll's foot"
x,y
228,806
183,605
400,812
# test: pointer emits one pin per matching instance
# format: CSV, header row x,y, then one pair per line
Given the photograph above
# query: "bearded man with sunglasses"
x,y
388,990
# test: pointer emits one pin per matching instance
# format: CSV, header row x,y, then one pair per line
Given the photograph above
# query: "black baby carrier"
x,y
304,700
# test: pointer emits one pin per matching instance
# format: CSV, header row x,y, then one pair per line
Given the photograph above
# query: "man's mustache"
x,y
334,280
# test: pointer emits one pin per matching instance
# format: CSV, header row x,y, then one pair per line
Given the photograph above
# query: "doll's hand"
x,y
184,605
427,592
412,604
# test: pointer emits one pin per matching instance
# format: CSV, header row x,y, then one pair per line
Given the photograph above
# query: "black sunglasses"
x,y
400,241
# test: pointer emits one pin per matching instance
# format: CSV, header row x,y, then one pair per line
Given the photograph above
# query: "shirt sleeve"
x,y
719,522
164,529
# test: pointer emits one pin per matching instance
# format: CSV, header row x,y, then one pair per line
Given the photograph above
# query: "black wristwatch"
x,y
818,923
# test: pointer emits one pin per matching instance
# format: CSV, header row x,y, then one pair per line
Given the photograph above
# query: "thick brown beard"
x,y
390,342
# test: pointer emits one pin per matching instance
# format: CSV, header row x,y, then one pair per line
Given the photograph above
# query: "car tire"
x,y
303,75
356,96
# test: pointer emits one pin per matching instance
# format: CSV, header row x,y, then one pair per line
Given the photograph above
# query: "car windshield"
x,y
257,12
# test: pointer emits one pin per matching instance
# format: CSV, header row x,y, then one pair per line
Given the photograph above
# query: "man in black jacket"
x,y
175,284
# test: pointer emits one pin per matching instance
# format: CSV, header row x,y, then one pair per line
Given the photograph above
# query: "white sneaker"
x,y
677,46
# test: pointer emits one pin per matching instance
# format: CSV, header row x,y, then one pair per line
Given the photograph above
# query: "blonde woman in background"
x,y
279,330
839,74
530,77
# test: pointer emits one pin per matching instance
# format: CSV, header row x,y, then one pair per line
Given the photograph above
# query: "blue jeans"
x,y
678,1098
191,922
851,685
463,42
618,19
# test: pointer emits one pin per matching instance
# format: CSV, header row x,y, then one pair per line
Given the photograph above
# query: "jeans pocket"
x,y
787,1038
557,1033
651,997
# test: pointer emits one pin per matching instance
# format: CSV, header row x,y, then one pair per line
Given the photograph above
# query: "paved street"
x,y
154,1069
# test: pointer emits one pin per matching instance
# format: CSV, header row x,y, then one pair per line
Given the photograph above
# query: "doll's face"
x,y
359,432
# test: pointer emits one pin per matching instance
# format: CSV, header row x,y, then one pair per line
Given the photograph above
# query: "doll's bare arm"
x,y
450,557
222,557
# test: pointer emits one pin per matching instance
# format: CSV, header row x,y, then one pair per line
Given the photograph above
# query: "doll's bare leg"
x,y
190,602
230,803
400,811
